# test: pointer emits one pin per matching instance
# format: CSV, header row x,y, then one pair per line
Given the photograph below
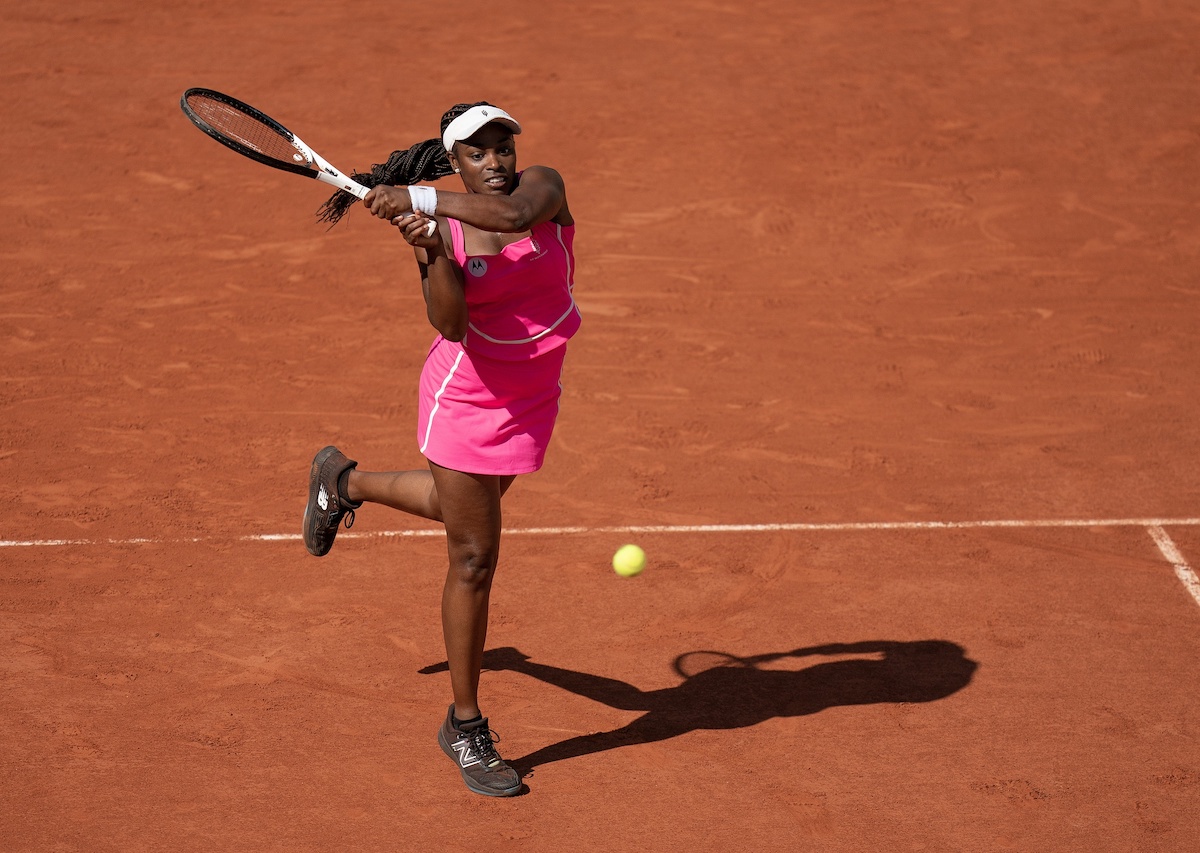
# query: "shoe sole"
x,y
314,487
478,789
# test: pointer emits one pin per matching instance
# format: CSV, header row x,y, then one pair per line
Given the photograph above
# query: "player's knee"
x,y
474,564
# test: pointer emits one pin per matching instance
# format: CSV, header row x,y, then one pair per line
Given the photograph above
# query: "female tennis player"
x,y
497,275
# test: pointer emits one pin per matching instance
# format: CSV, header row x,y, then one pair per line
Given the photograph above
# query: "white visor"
x,y
465,126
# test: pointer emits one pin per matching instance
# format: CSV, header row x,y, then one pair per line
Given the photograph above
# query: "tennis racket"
x,y
254,134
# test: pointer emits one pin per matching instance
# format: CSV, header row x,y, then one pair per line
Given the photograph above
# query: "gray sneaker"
x,y
473,748
326,505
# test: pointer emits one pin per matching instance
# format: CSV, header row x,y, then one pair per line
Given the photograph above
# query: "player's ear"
x,y
453,161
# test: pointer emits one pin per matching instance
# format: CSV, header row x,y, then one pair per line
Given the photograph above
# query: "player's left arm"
x,y
539,197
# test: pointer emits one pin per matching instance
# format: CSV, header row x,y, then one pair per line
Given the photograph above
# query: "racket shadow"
x,y
738,693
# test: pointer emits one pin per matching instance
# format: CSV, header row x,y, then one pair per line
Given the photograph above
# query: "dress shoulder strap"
x,y
457,241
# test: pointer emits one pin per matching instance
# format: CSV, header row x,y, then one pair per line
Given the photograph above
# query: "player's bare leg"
x,y
470,506
408,491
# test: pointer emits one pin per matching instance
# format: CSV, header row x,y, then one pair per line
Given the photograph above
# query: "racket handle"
x,y
343,183
359,191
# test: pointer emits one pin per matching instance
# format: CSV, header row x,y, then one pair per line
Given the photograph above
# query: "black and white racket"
x,y
254,134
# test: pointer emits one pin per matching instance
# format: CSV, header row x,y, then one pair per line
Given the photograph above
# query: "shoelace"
x,y
482,742
349,518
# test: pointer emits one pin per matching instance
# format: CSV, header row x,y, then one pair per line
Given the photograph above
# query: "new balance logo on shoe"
x,y
465,757
323,498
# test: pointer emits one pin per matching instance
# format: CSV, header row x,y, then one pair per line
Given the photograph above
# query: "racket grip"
x,y
359,191
343,183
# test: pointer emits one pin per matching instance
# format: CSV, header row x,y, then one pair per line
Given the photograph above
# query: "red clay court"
x,y
889,362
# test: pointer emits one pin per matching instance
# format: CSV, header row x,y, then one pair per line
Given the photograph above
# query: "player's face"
x,y
487,161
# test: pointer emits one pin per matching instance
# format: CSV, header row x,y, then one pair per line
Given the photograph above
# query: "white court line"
x,y
651,528
1153,526
1182,570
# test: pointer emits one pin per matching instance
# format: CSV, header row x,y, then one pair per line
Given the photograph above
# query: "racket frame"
x,y
313,165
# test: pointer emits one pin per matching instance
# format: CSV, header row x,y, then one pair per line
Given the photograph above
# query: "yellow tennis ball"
x,y
629,561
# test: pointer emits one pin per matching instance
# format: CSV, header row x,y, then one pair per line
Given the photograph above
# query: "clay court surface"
x,y
889,361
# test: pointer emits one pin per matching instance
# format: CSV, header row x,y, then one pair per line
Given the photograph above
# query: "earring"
x,y
456,171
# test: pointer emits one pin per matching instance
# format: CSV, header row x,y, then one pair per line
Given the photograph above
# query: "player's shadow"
x,y
721,691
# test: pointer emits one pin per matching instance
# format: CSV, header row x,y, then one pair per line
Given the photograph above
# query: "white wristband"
x,y
423,199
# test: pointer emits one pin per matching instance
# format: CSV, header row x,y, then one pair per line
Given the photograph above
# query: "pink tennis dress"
x,y
488,404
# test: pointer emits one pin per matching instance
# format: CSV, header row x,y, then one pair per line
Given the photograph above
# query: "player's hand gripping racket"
x,y
254,134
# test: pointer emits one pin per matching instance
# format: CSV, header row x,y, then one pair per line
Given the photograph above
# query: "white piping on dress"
x,y
437,400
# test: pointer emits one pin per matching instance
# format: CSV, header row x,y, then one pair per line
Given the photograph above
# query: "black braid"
x,y
425,161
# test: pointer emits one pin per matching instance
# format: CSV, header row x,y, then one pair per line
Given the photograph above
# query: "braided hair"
x,y
425,161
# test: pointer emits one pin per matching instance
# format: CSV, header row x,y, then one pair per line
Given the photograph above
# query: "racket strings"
x,y
234,124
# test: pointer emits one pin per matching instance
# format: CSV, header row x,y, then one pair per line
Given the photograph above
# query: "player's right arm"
x,y
442,281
